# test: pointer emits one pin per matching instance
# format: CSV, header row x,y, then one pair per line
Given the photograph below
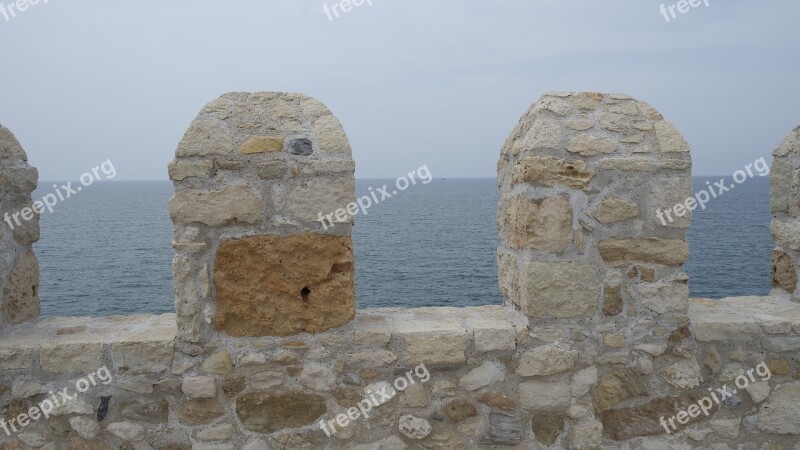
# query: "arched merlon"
x,y
253,176
19,229
588,183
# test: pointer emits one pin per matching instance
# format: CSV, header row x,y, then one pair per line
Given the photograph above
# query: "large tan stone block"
x,y
544,225
309,199
71,357
280,286
560,290
614,209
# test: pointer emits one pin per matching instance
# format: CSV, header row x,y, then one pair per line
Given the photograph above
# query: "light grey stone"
x,y
560,290
486,374
127,431
199,387
542,396
546,360
228,205
206,137
317,377
414,427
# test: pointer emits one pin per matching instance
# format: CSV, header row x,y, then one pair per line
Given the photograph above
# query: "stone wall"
x,y
597,341
19,270
785,207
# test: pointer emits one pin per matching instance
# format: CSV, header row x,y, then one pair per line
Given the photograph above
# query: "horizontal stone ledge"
x,y
743,319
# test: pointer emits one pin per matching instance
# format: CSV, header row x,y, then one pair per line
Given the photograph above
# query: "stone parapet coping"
x,y
743,319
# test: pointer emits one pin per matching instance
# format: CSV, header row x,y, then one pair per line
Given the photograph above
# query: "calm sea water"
x,y
107,250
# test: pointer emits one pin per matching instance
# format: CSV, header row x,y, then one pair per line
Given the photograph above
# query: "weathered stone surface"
x,y
21,291
10,146
786,233
12,358
670,139
545,225
182,169
143,357
127,431
618,386
676,164
429,342
264,412
781,344
549,171
458,410
317,377
331,135
781,412
583,381
612,300
663,298
200,412
669,252
280,286
784,275
206,137
588,145
226,206
219,363
586,435
199,387
416,396
71,357
758,391
546,360
262,144
498,400
414,427
780,184
560,290
493,335
486,374
312,197
504,429
542,396
389,443
684,374
543,134
790,145
614,209
547,427
667,192
85,427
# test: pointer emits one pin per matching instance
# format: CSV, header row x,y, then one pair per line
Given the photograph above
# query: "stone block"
x,y
71,357
182,169
560,290
543,225
226,206
143,357
262,144
199,387
206,137
541,396
310,198
331,135
668,252
493,335
432,342
549,171
670,139
281,286
546,360
614,209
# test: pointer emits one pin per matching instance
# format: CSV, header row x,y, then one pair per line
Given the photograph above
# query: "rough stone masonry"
x,y
19,270
597,340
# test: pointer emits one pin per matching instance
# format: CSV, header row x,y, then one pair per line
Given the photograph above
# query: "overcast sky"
x,y
437,82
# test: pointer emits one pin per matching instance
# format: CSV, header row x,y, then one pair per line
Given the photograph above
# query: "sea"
x,y
107,250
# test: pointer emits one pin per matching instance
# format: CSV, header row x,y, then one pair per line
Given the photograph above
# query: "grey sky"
x,y
414,82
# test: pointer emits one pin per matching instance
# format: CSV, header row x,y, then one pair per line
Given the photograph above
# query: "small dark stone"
x,y
302,147
733,402
102,410
437,417
504,429
459,410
